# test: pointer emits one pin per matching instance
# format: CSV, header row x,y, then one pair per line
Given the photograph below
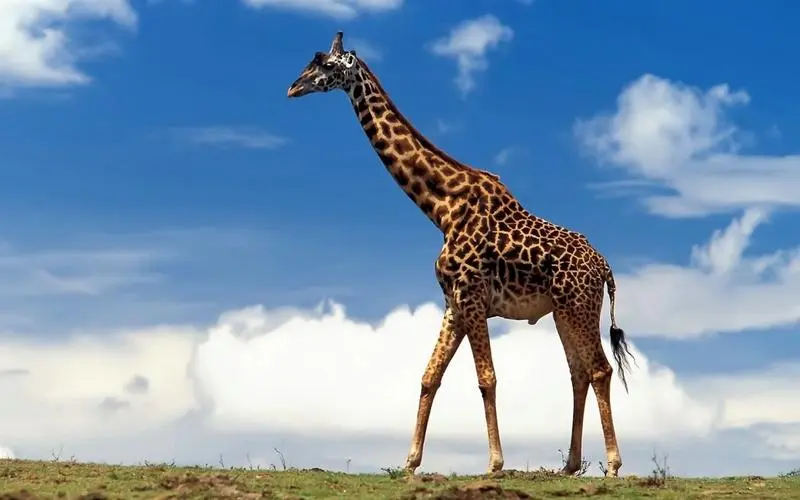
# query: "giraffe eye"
x,y
328,65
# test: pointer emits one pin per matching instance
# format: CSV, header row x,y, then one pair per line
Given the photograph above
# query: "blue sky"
x,y
156,174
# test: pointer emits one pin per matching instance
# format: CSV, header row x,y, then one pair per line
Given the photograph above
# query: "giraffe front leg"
x,y
450,338
474,321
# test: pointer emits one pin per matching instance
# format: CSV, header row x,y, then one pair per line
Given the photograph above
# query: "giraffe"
x,y
497,260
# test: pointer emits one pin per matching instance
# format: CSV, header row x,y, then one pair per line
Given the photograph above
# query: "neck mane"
x,y
435,182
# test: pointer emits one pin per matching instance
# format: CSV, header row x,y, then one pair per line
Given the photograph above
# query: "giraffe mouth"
x,y
297,90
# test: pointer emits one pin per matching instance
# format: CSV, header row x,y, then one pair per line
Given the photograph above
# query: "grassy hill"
x,y
22,479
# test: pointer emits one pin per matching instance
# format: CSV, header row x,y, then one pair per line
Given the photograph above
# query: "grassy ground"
x,y
20,479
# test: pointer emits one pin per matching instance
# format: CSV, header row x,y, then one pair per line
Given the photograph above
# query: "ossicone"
x,y
336,45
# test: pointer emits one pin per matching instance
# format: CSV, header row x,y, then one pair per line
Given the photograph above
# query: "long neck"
x,y
426,174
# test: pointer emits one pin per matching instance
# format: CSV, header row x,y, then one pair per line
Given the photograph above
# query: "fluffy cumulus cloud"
x,y
340,9
683,158
325,387
722,289
129,371
468,44
36,46
683,155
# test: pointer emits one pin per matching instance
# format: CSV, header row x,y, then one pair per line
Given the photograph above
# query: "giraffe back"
x,y
529,265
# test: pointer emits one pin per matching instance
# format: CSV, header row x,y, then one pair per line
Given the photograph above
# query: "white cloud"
x,y
670,136
222,136
388,360
468,44
444,127
69,278
340,9
333,387
159,2
67,272
365,49
721,290
724,251
750,396
36,47
159,354
504,155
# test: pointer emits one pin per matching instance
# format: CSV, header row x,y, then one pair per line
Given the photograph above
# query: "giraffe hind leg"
x,y
580,389
579,330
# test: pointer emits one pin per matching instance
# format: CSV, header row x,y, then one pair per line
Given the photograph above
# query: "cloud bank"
x,y
333,387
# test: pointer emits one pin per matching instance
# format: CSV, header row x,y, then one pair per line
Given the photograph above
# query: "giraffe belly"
x,y
531,307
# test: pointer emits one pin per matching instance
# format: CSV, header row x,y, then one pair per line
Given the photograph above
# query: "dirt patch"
x,y
534,475
587,490
18,495
591,490
651,482
313,469
429,478
216,486
94,495
475,491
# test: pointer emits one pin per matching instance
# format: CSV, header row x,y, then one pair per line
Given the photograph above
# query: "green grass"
x,y
22,479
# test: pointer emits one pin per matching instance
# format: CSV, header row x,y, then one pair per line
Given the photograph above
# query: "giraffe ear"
x,y
336,45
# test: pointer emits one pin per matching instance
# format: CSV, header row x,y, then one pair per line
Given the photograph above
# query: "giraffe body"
x,y
497,260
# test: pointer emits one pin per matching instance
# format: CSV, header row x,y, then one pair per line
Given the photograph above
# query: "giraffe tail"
x,y
619,345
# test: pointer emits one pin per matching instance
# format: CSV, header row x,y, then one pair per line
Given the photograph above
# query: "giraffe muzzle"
x,y
297,89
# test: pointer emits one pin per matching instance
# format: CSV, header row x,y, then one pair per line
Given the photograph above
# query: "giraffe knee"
x,y
429,385
602,373
487,384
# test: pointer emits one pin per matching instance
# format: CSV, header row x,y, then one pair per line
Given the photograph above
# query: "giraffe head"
x,y
336,69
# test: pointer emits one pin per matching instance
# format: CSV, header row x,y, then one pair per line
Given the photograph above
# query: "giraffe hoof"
x,y
613,468
495,466
411,466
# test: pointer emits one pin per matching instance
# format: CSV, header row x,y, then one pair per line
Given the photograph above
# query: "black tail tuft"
x,y
620,348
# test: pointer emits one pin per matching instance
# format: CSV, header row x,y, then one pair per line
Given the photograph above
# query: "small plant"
x,y
158,465
660,474
281,458
791,473
584,467
394,472
57,456
250,463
